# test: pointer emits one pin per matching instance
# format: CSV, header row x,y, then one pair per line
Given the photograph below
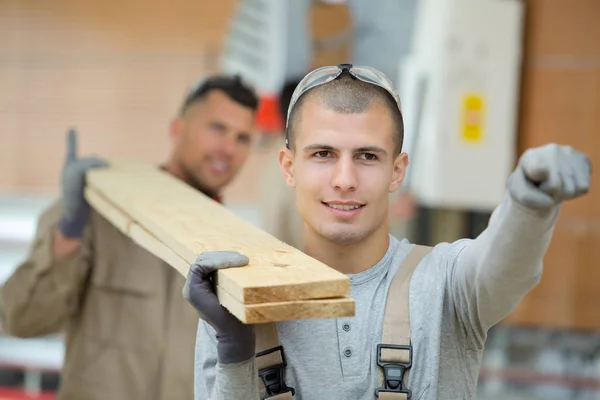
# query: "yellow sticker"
x,y
472,117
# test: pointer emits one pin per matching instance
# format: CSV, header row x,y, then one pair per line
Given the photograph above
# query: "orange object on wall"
x,y
268,119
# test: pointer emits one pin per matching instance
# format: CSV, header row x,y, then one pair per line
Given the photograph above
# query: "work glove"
x,y
236,341
76,210
548,175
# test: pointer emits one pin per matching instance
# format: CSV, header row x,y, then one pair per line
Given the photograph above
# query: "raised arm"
x,y
491,274
44,290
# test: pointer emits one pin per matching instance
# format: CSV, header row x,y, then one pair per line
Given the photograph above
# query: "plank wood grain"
x,y
247,313
189,223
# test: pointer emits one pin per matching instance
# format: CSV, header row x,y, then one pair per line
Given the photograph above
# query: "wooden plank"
x,y
251,313
115,216
247,313
190,223
287,310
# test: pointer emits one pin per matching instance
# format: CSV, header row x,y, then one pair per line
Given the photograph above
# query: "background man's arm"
x,y
44,290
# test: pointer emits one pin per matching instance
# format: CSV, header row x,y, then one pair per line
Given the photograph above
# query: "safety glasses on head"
x,y
327,74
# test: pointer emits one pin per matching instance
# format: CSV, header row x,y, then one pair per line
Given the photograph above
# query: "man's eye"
x,y
244,139
322,154
369,156
218,127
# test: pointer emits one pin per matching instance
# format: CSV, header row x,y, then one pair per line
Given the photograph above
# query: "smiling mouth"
x,y
219,166
344,207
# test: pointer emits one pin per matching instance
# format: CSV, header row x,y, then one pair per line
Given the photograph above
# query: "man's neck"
x,y
351,258
174,169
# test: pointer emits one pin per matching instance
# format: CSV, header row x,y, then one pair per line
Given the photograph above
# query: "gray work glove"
x,y
76,210
236,341
548,175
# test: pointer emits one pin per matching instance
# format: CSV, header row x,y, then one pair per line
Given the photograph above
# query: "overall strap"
x,y
271,364
394,353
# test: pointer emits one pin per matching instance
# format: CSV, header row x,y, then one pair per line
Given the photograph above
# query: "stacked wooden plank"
x,y
176,223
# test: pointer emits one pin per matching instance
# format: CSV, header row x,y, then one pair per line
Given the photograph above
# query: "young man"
x,y
343,158
129,334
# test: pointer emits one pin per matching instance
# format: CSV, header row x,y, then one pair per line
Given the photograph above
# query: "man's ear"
x,y
400,165
176,128
286,163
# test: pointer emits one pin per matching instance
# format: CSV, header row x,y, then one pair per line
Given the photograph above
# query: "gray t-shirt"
x,y
457,293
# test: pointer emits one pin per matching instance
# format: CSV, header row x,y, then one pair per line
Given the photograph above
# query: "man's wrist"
x,y
63,246
236,350
74,227
526,211
228,354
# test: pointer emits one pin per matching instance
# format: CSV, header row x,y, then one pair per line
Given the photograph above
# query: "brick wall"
x,y
561,103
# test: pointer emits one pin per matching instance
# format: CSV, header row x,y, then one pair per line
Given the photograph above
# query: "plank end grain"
x,y
287,310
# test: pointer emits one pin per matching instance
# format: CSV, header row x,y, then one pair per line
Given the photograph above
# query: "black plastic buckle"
x,y
345,67
273,377
393,373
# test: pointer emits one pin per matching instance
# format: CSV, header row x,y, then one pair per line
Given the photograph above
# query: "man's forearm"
x,y
237,381
221,381
41,294
63,246
497,269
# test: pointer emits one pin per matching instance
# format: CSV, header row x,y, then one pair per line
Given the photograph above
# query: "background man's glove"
x,y
76,210
236,341
548,175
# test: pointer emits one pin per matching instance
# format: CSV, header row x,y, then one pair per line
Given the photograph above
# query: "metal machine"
x,y
457,66
459,87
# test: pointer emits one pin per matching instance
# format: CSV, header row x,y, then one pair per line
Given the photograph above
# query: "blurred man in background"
x,y
278,212
129,333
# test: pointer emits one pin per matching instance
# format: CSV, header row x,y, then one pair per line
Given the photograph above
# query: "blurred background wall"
x,y
117,71
560,102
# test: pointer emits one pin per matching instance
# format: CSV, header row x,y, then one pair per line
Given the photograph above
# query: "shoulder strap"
x,y
394,353
271,363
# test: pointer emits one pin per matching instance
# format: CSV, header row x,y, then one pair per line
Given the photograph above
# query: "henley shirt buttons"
x,y
348,352
346,327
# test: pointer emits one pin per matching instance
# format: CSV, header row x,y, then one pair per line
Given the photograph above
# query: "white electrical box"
x,y
256,44
459,89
